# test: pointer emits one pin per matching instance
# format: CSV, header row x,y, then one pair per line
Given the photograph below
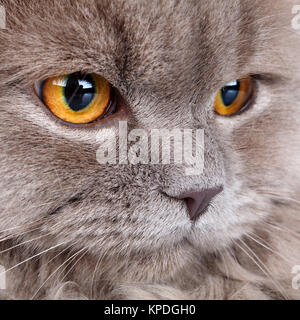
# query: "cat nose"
x,y
197,202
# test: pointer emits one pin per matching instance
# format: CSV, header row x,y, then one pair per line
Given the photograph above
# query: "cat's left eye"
x,y
235,97
77,97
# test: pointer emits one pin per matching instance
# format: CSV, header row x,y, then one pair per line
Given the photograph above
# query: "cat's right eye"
x,y
77,98
235,97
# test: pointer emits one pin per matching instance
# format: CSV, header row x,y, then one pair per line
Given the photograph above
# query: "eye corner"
x,y
38,88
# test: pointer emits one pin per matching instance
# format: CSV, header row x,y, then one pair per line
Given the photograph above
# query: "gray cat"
x,y
72,227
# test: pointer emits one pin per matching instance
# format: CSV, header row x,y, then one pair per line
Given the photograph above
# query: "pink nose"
x,y
197,202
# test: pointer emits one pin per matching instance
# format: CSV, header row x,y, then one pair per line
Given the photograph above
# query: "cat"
x,y
72,228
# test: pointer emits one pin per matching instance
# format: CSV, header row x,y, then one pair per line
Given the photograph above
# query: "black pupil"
x,y
230,92
79,91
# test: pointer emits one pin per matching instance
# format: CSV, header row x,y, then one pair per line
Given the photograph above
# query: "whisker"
x,y
84,253
20,226
22,233
94,276
52,274
61,252
21,244
32,257
18,234
95,270
282,228
261,267
267,247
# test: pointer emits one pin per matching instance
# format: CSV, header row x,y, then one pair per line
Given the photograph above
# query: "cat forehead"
x,y
136,40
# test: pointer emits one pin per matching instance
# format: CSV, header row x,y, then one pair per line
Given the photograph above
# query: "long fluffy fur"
x,y
110,232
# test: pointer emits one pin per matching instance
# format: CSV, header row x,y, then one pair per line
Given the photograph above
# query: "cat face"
x,y
167,63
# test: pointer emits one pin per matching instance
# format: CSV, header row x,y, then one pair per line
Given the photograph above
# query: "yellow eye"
x,y
77,97
235,97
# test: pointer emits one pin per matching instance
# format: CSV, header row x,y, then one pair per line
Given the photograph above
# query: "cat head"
x,y
166,63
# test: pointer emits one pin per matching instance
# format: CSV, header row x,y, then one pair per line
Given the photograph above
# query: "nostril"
x,y
197,202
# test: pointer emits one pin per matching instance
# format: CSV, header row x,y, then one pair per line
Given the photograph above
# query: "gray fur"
x,y
167,59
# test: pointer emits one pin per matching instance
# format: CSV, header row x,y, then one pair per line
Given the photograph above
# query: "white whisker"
x,y
21,244
53,273
262,267
36,255
267,247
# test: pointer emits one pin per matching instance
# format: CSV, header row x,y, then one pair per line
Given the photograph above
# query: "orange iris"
x,y
234,97
77,98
